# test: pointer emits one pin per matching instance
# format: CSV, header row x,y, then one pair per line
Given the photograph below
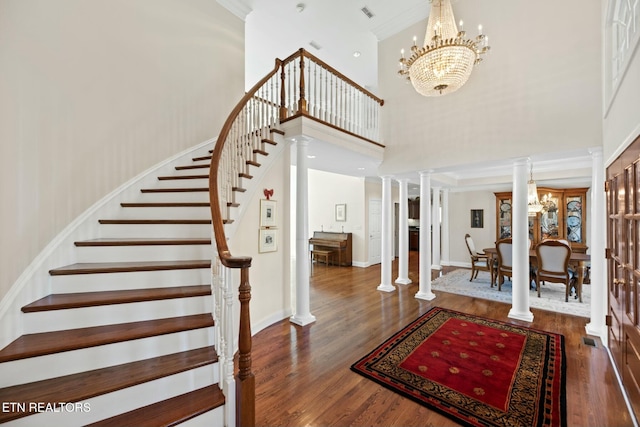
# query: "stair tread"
x,y
93,299
208,165
142,241
169,412
175,190
170,177
166,205
155,221
85,385
43,343
118,267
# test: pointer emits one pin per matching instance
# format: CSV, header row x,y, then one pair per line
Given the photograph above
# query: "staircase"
x,y
128,335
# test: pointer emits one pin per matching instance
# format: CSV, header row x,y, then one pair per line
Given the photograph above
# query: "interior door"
x,y
623,268
375,231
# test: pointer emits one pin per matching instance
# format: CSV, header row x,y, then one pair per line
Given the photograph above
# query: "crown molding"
x,y
238,7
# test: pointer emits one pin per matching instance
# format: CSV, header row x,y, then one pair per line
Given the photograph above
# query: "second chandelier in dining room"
x,y
446,59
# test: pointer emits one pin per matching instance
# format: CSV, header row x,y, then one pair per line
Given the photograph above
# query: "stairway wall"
x,y
271,273
94,93
35,281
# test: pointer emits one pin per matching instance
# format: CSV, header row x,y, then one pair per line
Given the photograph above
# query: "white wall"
x,y
622,121
270,271
94,92
326,190
504,110
460,205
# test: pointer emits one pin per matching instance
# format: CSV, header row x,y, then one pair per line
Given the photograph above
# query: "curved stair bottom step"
x,y
116,403
202,407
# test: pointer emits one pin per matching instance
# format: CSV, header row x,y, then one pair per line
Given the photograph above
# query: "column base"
x,y
425,296
386,288
527,317
302,320
597,330
403,281
436,267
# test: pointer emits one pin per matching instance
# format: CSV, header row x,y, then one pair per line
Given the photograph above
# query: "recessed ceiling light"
x,y
360,169
356,54
311,156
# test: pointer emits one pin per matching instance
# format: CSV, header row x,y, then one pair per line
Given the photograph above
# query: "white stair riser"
x,y
155,230
143,253
169,196
162,212
48,321
184,183
71,362
134,280
128,399
208,419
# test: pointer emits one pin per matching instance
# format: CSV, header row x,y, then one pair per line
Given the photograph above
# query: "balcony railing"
x,y
300,86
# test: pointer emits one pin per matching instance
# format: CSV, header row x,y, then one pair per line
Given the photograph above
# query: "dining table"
x,y
578,260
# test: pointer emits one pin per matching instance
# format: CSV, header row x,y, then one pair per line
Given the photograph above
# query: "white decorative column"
x,y
425,237
386,252
403,234
435,220
520,244
302,315
445,228
597,246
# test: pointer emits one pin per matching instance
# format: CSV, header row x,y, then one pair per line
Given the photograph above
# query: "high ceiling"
x,y
333,30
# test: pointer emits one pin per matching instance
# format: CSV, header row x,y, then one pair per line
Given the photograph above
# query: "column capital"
x,y
596,151
426,172
519,161
401,180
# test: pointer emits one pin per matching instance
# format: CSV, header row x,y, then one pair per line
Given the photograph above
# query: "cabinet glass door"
x,y
549,219
574,219
504,219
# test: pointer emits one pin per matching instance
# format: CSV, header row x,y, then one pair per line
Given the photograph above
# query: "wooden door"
x,y
623,268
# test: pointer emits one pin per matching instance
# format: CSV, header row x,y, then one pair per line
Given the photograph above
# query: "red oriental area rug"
x,y
477,371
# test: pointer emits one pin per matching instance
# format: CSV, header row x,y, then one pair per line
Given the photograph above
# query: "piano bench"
x,y
317,254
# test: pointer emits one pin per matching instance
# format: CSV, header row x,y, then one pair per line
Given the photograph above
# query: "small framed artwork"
x,y
268,241
341,212
477,218
267,213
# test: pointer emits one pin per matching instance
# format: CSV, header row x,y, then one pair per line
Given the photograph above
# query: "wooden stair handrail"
x,y
227,259
303,52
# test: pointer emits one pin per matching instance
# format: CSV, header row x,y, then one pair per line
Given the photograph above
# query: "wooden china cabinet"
x,y
565,218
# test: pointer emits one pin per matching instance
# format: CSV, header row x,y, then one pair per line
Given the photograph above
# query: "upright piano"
x,y
339,242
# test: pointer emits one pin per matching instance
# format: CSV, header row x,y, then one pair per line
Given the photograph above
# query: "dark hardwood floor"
x,y
303,376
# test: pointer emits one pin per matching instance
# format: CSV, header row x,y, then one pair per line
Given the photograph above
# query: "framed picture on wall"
x,y
341,212
477,218
268,213
268,240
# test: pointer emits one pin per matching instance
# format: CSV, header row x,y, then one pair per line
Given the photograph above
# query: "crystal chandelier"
x,y
445,61
533,203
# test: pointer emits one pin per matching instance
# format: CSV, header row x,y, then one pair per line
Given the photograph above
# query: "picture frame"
x,y
477,218
268,240
268,213
341,212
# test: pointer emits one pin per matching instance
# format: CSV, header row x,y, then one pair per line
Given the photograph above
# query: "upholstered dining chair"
x,y
479,260
505,260
553,265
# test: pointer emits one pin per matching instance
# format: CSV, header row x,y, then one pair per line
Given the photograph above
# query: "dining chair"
x,y
505,260
553,265
479,260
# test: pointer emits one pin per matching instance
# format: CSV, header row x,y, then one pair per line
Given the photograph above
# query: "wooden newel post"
x,y
302,102
245,381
